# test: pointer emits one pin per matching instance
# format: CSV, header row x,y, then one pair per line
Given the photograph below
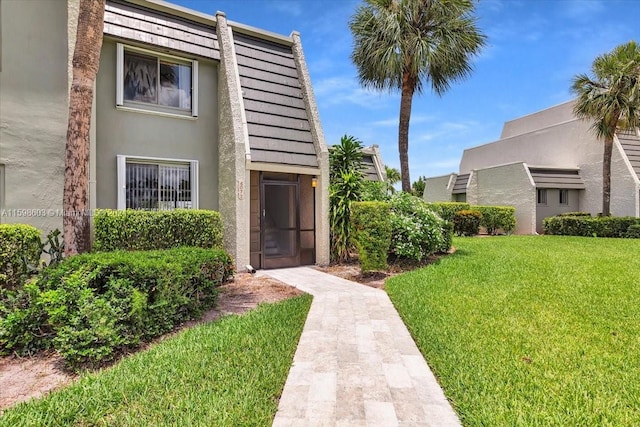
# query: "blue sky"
x,y
534,49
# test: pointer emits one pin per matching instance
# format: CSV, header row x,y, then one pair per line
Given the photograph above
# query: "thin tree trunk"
x,y
86,59
408,87
606,176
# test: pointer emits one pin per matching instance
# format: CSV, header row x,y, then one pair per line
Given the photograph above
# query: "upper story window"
x,y
156,82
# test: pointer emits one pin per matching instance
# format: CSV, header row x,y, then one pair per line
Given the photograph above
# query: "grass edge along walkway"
x,y
226,373
531,330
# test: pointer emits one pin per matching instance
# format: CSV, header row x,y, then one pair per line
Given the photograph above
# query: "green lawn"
x,y
531,331
227,373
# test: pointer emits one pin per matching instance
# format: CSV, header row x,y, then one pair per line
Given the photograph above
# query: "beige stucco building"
x,y
190,110
544,164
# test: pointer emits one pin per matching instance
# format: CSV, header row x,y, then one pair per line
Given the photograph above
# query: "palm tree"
x,y
405,44
345,157
393,177
346,177
611,99
86,59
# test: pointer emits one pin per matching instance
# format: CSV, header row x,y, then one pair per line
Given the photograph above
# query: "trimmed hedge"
x,y
447,210
574,214
496,218
148,230
92,307
605,226
371,228
19,245
467,222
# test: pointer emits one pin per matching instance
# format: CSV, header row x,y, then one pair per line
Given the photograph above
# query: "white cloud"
x,y
446,130
582,9
340,90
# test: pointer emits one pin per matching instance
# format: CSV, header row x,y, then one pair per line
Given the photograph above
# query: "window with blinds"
x,y
156,82
158,186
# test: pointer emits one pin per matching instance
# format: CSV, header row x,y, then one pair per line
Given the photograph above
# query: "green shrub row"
x,y
493,218
448,210
606,226
147,230
371,230
467,222
92,307
19,246
496,218
574,214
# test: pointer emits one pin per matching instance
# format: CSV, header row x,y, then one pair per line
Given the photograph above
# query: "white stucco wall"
x,y
625,186
33,110
438,189
541,119
509,185
562,146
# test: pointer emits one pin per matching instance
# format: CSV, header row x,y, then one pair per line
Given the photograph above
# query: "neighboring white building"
x,y
544,164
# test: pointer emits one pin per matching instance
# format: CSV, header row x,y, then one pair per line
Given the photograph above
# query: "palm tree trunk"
x,y
408,87
606,176
86,59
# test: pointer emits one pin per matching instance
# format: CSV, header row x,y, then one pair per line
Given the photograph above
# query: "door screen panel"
x,y
280,231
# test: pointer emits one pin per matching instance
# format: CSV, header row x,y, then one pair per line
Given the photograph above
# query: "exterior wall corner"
x,y
322,153
233,177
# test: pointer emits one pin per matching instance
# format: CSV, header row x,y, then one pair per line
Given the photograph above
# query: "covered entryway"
x,y
282,220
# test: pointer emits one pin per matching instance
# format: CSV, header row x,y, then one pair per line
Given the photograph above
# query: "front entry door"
x,y
279,224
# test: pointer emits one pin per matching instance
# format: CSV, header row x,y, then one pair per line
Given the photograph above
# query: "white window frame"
x,y
121,104
122,176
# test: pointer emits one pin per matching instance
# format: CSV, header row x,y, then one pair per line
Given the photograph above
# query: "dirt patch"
x,y
351,270
27,377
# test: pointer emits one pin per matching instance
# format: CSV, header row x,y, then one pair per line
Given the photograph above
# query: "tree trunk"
x,y
606,176
408,87
86,59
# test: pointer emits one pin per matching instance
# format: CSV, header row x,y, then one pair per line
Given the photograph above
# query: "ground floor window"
x,y
542,196
157,184
564,197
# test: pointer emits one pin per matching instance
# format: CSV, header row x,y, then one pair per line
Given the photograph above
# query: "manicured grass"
x,y
531,331
227,373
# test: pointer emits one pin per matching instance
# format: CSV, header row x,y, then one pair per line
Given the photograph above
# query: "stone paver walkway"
x,y
356,363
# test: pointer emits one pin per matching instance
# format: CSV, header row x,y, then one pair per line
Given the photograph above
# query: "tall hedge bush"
x,y
371,228
495,218
19,245
92,307
148,230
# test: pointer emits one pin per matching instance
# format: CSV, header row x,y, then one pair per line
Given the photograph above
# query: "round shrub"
x,y
416,231
467,222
